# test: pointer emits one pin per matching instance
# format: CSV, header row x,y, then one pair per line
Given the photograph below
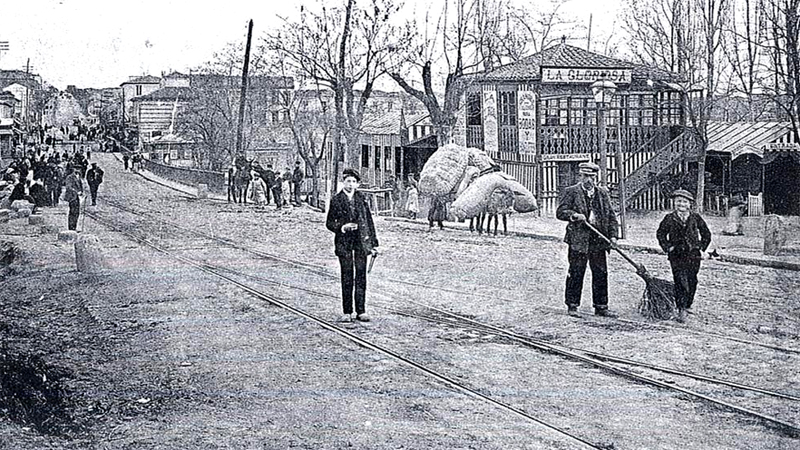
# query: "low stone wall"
x,y
191,177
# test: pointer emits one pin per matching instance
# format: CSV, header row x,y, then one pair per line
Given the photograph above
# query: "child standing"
x,y
684,237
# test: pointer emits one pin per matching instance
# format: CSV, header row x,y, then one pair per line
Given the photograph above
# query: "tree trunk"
x,y
314,183
701,180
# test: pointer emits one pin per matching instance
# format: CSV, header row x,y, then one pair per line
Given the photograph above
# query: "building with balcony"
x,y
538,119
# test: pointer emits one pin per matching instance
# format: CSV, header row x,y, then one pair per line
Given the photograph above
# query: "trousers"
x,y
577,269
684,274
354,278
74,212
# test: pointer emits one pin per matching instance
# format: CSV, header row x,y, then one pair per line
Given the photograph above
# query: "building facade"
x,y
136,86
538,119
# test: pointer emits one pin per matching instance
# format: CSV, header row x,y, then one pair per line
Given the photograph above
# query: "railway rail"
x,y
595,359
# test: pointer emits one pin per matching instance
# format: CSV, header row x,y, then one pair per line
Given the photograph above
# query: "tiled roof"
x,y
168,94
744,137
147,79
563,55
388,122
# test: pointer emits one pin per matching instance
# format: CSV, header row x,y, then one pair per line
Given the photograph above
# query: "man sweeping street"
x,y
586,202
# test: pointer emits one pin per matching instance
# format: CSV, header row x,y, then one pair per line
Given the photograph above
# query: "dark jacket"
x,y
364,239
579,237
94,176
269,177
679,239
298,176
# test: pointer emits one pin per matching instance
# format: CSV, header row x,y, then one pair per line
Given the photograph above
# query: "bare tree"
x,y
449,39
342,49
783,22
685,36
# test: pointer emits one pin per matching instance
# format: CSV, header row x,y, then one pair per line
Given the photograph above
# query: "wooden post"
x,y
621,183
243,95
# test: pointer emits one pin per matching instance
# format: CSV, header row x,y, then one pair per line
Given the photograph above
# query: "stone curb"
x,y
742,260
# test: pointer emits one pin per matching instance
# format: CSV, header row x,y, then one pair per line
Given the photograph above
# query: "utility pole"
x,y
243,96
28,100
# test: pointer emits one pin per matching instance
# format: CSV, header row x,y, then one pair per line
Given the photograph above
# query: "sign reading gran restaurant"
x,y
584,75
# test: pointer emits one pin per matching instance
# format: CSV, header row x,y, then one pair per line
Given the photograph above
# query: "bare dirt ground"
x,y
155,354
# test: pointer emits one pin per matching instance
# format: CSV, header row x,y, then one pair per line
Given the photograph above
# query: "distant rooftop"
x,y
145,79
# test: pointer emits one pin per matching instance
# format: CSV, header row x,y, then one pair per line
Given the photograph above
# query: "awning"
x,y
741,138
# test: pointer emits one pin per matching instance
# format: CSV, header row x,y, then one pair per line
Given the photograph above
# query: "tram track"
x,y
319,270
596,359
276,301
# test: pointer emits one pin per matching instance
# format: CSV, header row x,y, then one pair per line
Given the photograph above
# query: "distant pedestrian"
x,y
277,191
258,190
269,180
231,185
684,237
586,202
412,201
350,219
437,213
125,160
286,188
297,182
94,177
38,193
72,193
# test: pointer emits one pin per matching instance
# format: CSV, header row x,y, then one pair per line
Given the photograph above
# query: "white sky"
x,y
99,43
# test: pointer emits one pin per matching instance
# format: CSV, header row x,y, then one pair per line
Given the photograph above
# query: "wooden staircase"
x,y
646,174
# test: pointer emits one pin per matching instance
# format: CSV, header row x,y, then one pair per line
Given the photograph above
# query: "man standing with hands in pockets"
x,y
351,221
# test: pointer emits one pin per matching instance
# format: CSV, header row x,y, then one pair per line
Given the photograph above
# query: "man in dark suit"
x,y
586,202
349,217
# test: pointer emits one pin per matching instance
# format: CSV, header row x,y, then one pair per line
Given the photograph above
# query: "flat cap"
x,y
588,168
351,173
683,193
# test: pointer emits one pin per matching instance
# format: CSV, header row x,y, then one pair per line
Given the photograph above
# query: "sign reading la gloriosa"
x,y
584,75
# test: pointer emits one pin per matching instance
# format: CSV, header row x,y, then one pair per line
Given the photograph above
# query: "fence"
x,y
755,205
192,177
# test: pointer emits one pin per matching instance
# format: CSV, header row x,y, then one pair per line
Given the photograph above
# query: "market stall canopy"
x,y
739,138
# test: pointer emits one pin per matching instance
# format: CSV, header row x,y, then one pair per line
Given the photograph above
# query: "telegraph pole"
x,y
243,96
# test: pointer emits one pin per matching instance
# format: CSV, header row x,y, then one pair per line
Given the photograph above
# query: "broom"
x,y
658,300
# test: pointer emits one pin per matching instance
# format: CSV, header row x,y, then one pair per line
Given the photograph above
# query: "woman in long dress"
x,y
258,190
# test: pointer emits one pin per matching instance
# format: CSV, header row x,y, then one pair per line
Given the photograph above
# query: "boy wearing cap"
x,y
350,219
587,202
684,237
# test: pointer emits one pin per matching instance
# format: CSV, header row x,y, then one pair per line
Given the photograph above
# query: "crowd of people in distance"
x,y
42,176
250,181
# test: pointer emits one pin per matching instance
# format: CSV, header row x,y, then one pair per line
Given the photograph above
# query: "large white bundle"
x,y
480,159
477,197
470,175
501,201
443,171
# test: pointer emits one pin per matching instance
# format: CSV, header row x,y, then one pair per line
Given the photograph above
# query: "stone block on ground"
x,y
89,254
67,235
35,219
19,204
202,191
774,238
49,228
24,212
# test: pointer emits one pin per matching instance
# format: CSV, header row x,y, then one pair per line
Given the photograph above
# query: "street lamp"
x,y
603,91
